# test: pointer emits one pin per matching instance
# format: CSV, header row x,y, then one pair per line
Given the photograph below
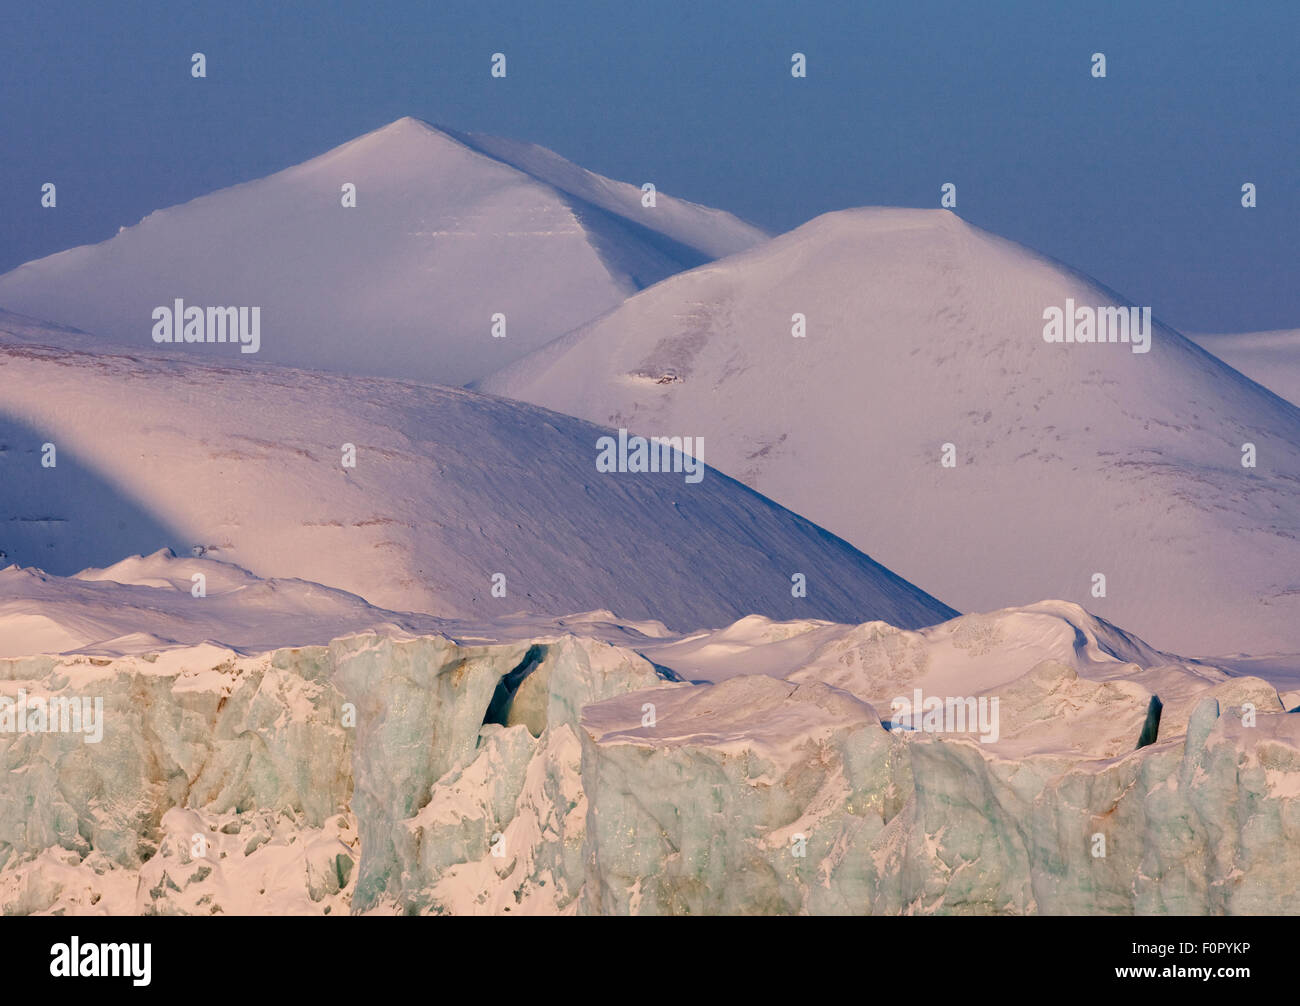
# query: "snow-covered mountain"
x,y
448,230
1069,459
458,504
1269,358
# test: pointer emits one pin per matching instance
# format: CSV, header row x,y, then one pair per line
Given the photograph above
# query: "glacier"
x,y
589,765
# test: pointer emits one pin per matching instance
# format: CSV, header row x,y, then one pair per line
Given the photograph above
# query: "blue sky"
x,y
1134,179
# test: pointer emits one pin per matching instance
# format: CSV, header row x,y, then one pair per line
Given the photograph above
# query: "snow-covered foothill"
x,y
411,496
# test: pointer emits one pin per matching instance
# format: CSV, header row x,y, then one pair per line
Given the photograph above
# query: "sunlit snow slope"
x,y
1071,459
1271,358
444,235
449,488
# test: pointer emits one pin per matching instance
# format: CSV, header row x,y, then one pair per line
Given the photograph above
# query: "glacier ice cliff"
x,y
573,772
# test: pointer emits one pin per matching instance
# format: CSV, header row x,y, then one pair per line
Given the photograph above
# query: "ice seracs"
x,y
587,765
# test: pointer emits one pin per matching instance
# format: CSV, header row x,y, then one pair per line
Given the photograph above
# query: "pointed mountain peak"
x,y
388,255
409,125
396,143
